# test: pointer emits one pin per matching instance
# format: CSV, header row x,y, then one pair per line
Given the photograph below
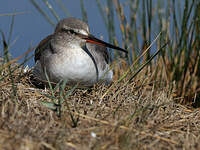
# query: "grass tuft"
x,y
141,109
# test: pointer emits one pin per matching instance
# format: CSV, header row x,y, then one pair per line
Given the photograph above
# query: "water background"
x,y
31,27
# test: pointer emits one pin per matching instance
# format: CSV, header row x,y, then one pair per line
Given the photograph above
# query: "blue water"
x,y
31,27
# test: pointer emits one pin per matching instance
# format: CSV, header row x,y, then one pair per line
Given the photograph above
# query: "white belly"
x,y
75,66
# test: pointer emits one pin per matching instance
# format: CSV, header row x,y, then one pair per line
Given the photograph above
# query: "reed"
x,y
141,109
176,66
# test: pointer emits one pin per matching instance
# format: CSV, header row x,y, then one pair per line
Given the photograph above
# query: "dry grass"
x,y
138,117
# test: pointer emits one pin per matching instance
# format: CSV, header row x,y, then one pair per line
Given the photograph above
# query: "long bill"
x,y
91,39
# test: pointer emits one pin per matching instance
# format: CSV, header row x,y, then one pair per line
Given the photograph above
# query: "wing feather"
x,y
45,43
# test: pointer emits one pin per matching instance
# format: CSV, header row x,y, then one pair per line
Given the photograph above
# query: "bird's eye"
x,y
71,31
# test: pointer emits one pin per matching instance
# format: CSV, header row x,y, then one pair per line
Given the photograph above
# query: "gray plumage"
x,y
66,55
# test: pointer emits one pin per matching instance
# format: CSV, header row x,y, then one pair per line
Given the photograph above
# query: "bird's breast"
x,y
73,65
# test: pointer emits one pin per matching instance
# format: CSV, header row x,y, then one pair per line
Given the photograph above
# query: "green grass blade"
x,y
155,54
6,59
102,13
42,13
51,9
11,29
70,92
13,14
64,9
83,12
49,105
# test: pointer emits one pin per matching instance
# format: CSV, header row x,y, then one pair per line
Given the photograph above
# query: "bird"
x,y
74,55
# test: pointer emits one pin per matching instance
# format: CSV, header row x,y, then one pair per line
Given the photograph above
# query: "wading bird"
x,y
71,53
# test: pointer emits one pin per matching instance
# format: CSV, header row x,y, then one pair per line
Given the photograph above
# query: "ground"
x,y
132,116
